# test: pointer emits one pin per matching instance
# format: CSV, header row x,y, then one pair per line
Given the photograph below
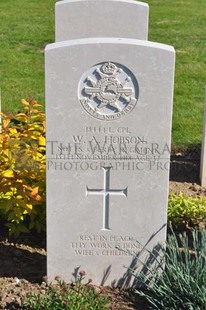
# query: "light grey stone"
x,y
76,19
203,152
109,111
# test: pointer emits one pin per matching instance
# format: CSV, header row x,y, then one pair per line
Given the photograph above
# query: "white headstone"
x,y
109,111
96,18
203,152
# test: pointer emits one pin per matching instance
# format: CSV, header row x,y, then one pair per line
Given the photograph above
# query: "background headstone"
x,y
109,111
203,151
96,18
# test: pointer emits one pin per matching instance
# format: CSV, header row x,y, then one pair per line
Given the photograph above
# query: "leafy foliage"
x,y
181,284
29,25
22,169
182,209
23,181
73,297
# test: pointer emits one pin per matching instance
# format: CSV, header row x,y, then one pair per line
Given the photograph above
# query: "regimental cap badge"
x,y
108,91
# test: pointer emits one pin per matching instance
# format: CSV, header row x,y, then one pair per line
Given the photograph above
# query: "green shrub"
x,y
23,177
181,284
188,210
72,297
22,169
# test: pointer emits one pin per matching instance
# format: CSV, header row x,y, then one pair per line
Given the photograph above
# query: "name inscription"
x,y
117,148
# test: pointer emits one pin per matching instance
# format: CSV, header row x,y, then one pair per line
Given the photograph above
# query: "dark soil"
x,y
23,260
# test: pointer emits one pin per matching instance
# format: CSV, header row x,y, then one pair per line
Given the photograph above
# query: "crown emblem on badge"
x,y
109,68
109,91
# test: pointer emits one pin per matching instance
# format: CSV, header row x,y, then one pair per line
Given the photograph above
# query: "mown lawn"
x,y
182,23
26,26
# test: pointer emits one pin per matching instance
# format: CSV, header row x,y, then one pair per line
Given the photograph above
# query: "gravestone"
x,y
203,152
94,18
109,111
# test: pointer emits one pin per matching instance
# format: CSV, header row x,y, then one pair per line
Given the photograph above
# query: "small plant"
x,y
22,168
187,210
76,296
181,283
23,176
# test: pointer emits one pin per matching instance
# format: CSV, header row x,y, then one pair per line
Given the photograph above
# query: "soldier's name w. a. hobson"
x,y
110,97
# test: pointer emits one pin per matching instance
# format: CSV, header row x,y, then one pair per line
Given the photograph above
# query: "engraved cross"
x,y
106,192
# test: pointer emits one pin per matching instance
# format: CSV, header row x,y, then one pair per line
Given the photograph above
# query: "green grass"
x,y
26,26
182,24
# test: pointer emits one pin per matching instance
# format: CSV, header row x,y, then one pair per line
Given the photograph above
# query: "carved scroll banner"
x,y
109,111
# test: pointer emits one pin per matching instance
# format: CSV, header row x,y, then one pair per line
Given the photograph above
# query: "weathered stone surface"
x,y
109,110
76,19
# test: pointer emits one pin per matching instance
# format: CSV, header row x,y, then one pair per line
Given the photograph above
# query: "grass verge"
x,y
28,25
